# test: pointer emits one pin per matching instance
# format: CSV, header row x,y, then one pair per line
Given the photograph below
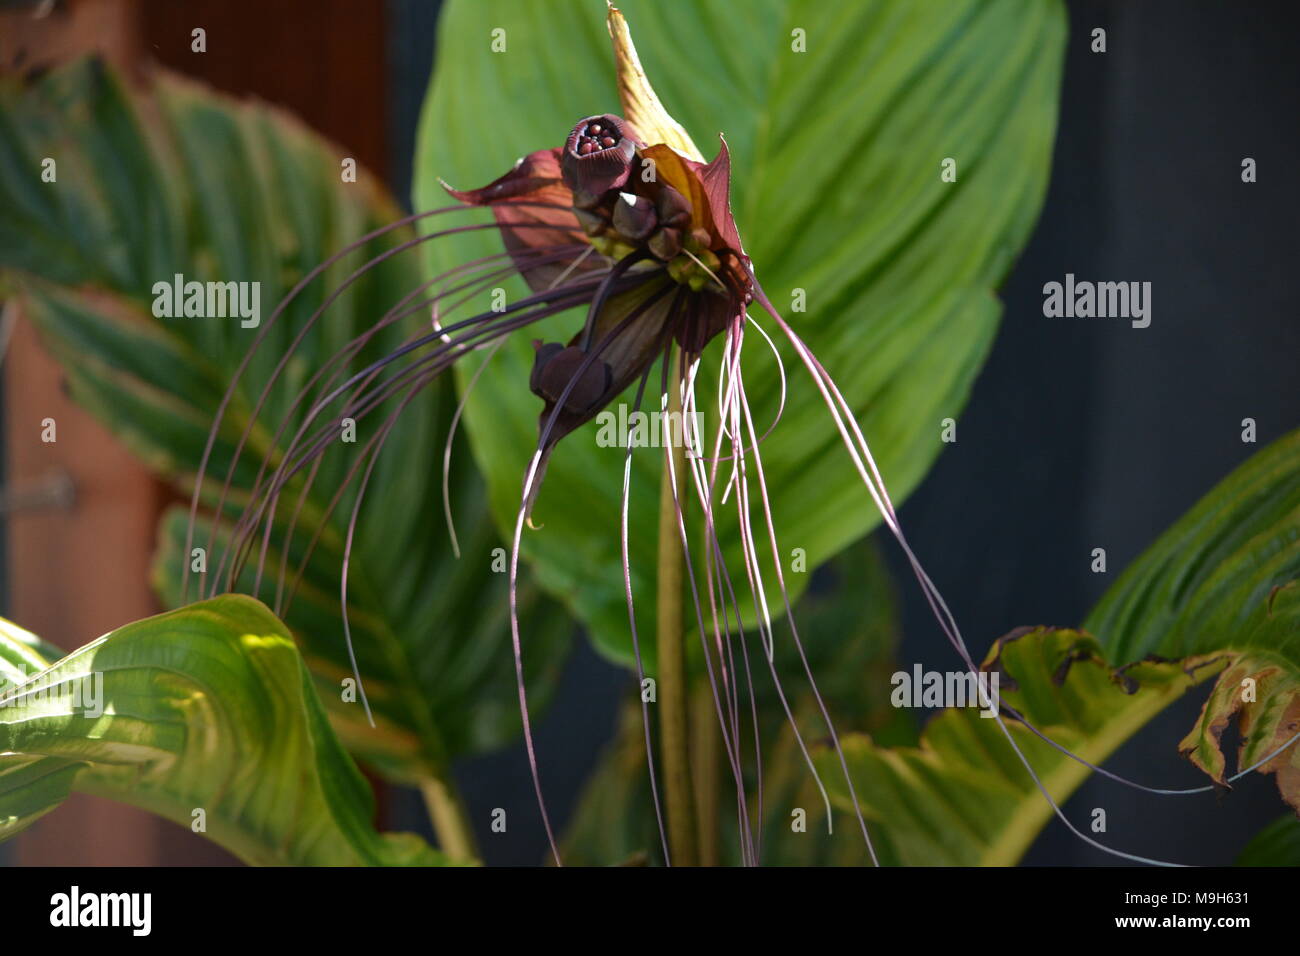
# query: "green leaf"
x,y
179,179
962,797
1216,590
1210,581
209,707
21,653
1278,844
836,156
1224,579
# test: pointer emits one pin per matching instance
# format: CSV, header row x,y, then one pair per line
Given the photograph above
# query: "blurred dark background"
x,y
1080,433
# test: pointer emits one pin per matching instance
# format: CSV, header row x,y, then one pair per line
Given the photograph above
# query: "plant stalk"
x,y
672,691
706,766
450,819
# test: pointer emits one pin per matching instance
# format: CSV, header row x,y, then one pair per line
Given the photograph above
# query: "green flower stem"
x,y
672,690
706,756
450,819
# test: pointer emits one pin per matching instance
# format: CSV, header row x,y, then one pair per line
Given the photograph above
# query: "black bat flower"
x,y
665,245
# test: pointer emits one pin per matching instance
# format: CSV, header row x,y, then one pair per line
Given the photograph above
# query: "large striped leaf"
x,y
181,180
208,709
837,151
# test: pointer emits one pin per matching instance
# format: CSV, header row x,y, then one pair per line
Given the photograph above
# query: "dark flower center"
x,y
597,158
595,137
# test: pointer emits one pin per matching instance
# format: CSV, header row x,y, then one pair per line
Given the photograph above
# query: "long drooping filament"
x,y
482,327
270,324
440,350
736,399
527,496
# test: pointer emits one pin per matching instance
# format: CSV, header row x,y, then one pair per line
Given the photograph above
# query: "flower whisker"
x,y
264,331
631,615
716,562
789,613
732,747
361,404
855,443
339,362
451,437
532,481
486,325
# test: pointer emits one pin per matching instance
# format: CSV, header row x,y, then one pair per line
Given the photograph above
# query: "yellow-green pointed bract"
x,y
641,105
